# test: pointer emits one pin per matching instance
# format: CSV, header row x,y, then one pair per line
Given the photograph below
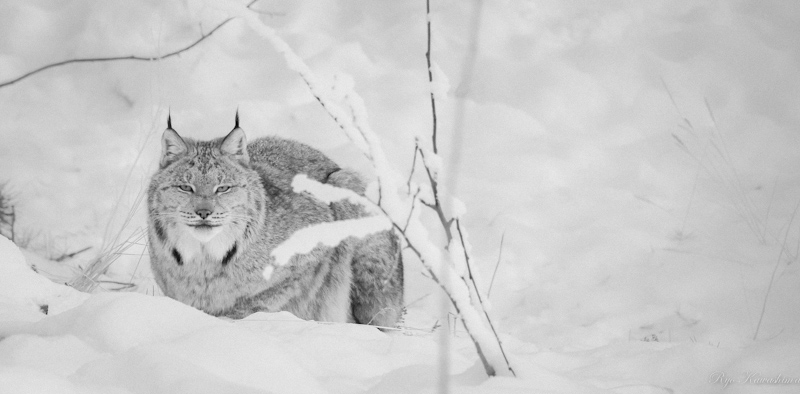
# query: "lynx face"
x,y
204,202
205,196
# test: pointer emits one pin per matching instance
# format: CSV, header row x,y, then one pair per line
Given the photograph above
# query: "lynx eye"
x,y
223,189
186,188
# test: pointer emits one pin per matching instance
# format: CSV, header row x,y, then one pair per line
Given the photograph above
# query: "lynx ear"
x,y
172,146
235,145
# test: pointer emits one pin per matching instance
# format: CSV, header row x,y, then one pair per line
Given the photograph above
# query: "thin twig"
x,y
141,255
496,266
115,58
71,255
430,74
114,282
335,118
437,205
451,186
417,300
692,195
774,271
413,165
411,211
88,278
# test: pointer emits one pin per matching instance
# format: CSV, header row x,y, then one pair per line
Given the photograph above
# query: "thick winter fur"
x,y
218,208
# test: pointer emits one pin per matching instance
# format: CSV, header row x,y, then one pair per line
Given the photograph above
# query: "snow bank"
x,y
152,344
144,344
354,357
120,321
24,294
129,342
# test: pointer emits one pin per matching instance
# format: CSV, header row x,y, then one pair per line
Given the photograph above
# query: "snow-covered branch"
x,y
347,108
328,233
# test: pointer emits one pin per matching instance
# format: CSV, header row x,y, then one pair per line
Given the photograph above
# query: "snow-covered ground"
x,y
638,159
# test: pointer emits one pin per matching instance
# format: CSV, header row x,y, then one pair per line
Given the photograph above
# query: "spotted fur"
x,y
218,208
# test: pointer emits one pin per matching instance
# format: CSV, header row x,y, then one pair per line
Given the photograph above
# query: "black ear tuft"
x,y
236,125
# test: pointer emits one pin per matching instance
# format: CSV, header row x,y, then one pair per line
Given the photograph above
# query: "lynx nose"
x,y
203,213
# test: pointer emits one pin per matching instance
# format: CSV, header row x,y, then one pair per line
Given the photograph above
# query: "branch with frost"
x,y
487,343
348,111
432,163
459,248
472,278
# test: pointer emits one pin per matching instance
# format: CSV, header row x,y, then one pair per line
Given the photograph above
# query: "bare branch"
x,y
430,74
203,36
411,211
437,205
496,266
413,165
115,58
452,182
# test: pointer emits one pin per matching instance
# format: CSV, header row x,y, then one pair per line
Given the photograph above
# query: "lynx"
x,y
218,208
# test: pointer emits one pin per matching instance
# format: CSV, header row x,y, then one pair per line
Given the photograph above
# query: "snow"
x,y
640,158
328,193
327,234
26,293
440,85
